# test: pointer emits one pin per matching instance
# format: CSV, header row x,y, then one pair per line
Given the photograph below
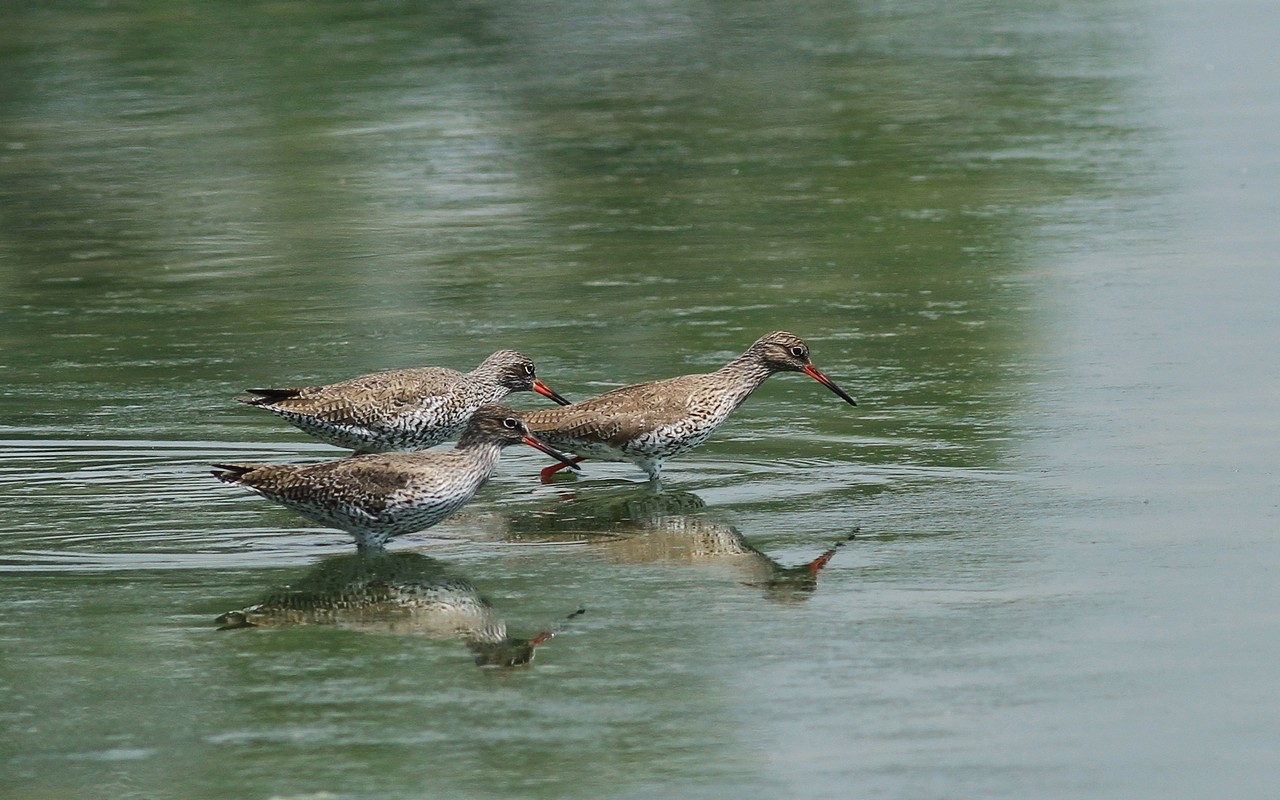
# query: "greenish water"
x,y
1034,240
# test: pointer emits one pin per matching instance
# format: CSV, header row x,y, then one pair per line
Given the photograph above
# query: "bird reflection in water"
x,y
643,527
393,593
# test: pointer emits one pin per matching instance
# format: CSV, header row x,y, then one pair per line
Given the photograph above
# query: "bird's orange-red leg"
x,y
548,472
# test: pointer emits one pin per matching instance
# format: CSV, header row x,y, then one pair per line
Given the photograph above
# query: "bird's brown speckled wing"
x,y
368,399
365,482
619,415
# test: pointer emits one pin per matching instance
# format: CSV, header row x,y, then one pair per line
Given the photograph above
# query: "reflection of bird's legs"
x,y
815,566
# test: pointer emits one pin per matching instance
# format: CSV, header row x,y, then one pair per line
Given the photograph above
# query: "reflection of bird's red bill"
x,y
816,374
546,391
538,444
553,631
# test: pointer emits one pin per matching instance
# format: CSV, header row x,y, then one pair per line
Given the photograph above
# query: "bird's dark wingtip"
x,y
230,473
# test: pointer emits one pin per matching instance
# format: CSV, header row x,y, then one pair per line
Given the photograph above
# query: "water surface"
x,y
1033,240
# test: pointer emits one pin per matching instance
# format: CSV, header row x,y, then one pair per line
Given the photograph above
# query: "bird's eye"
x,y
511,422
798,352
528,370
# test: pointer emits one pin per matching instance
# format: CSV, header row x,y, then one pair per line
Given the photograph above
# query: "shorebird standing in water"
x,y
647,423
402,409
377,496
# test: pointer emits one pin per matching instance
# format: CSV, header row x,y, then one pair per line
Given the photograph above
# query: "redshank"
x,y
402,409
376,496
648,423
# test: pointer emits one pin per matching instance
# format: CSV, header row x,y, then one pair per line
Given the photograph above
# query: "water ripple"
x,y
98,505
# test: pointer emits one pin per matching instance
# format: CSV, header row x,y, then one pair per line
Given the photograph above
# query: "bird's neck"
x,y
740,377
486,373
482,451
747,370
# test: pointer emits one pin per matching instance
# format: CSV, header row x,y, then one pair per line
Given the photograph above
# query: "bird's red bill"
x,y
816,374
546,391
538,444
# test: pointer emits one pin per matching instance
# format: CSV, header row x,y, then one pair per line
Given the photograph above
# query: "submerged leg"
x,y
370,544
653,468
